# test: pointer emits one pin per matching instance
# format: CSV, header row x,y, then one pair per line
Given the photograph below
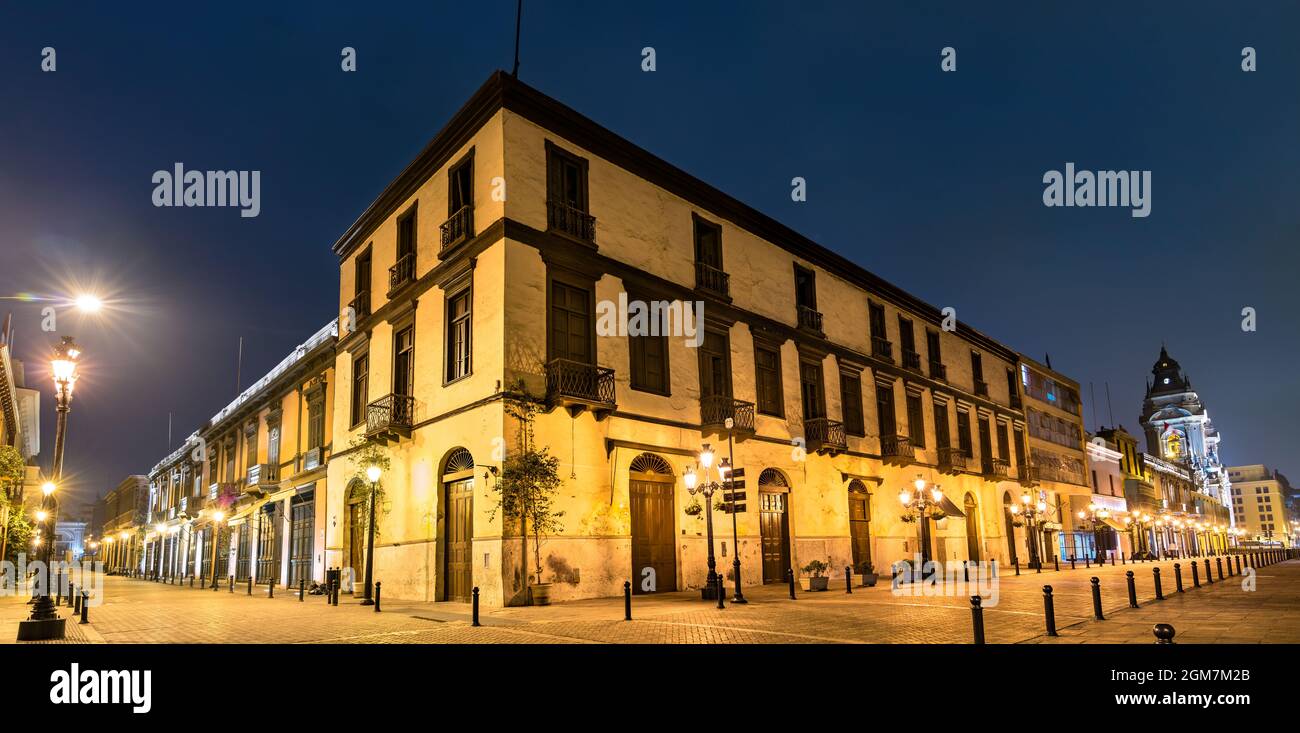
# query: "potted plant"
x,y
526,489
868,574
817,577
693,509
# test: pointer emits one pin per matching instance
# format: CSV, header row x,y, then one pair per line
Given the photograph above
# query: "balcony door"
x,y
715,365
810,390
571,323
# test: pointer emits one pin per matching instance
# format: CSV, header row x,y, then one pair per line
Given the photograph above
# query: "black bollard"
x,y
1164,633
1087,563
1112,559
1196,576
1017,563
191,581
1049,610
474,608
377,584
1122,559
977,619
1132,591
1178,577
722,591
302,589
250,584
76,602
85,607
1219,562
1239,565
789,574
1208,577
232,583
1057,562
1155,574
337,586
270,589
58,589
848,579
1096,598
1072,562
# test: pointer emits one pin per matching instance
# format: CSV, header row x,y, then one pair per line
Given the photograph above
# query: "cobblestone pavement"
x,y
137,611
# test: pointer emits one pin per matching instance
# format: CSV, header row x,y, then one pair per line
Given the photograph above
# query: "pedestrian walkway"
x,y
139,611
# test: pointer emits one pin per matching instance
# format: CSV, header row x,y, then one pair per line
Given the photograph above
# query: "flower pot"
x,y
540,593
869,580
819,583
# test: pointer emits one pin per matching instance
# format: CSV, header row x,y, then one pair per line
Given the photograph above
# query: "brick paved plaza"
x,y
137,611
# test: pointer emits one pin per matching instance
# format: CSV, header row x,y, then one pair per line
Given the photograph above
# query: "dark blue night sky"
x,y
932,180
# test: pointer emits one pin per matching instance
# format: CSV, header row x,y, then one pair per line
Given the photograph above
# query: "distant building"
x,y
1260,502
20,428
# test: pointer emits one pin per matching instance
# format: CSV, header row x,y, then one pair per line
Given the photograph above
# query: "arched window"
x,y
651,463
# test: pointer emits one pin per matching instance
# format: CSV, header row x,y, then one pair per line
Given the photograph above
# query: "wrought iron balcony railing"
x,y
574,222
712,279
911,360
897,447
938,371
716,409
390,417
952,460
402,273
360,305
578,386
995,469
809,318
458,228
824,435
881,347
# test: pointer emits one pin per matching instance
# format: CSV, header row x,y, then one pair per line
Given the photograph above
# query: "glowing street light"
x,y
373,472
88,303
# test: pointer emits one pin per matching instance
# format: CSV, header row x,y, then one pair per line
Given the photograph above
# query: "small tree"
x,y
366,453
530,477
12,474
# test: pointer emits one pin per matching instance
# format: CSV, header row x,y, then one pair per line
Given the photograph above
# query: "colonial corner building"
x,y
476,277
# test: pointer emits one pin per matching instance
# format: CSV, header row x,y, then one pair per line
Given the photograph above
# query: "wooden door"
x,y
774,529
357,539
653,545
459,567
860,530
972,529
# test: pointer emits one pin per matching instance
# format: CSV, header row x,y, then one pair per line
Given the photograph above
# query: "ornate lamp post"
x,y
1095,516
1033,513
920,506
372,472
44,621
702,484
217,518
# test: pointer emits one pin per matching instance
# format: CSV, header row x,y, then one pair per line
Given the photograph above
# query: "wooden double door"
x,y
654,548
774,531
458,562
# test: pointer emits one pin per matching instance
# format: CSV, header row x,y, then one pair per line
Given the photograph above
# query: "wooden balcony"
x,y
715,410
938,371
576,387
311,459
712,279
897,448
360,305
952,460
882,348
458,229
571,222
809,319
995,469
401,274
390,417
824,435
262,477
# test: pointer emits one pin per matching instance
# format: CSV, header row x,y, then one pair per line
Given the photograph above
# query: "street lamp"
x,y
1095,516
1034,512
217,518
703,484
920,506
44,621
373,472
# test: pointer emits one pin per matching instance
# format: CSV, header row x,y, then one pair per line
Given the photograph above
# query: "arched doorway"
x,y
1010,527
972,528
860,526
356,529
774,524
457,538
654,547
